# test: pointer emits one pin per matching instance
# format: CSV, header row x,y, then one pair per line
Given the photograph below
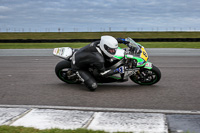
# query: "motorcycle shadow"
x,y
108,86
124,86
113,87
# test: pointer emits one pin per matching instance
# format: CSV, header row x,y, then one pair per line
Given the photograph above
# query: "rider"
x,y
95,55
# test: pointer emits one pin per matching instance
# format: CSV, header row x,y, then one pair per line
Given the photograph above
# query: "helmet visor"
x,y
110,50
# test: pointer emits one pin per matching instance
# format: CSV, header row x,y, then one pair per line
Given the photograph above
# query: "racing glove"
x,y
122,40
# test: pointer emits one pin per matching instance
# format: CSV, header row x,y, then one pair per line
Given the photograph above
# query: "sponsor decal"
x,y
140,63
55,50
148,64
58,51
62,51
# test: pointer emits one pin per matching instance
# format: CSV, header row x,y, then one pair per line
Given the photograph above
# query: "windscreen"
x,y
134,47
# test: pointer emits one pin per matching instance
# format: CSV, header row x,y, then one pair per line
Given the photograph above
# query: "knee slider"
x,y
91,84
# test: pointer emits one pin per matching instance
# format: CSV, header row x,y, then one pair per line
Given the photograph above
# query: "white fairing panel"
x,y
120,53
64,52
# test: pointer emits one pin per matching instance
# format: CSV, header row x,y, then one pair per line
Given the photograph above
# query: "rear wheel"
x,y
147,76
64,72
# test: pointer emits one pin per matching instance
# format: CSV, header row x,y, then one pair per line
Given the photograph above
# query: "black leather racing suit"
x,y
86,57
89,56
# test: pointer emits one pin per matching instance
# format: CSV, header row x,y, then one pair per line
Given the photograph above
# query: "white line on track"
x,y
97,109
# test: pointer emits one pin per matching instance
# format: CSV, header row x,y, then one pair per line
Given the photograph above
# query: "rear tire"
x,y
63,71
147,76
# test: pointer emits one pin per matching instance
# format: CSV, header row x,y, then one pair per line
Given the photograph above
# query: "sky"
x,y
99,15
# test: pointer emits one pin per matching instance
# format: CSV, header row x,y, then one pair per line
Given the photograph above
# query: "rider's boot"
x,y
88,80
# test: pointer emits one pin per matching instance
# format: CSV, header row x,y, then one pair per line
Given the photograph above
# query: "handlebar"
x,y
122,40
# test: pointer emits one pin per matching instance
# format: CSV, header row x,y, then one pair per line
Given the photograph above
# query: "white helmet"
x,y
108,45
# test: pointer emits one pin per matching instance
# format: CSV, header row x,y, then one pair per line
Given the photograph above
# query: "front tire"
x,y
63,72
147,76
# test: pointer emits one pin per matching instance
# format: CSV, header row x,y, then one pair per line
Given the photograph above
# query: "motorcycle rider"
x,y
95,55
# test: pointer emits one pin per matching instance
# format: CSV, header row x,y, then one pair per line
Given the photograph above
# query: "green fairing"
x,y
138,60
147,66
134,57
118,57
115,77
141,65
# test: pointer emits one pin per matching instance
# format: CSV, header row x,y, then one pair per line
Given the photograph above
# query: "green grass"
x,y
79,45
20,129
95,35
171,44
12,129
39,45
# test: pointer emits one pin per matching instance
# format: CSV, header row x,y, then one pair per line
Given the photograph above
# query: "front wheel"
x,y
64,72
147,76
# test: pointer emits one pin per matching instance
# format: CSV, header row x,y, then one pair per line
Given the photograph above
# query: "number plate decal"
x,y
144,54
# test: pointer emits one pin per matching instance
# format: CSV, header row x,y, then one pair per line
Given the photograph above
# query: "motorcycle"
x,y
131,62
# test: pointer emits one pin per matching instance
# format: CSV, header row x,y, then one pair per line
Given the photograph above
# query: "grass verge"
x,y
95,35
79,45
39,45
171,44
20,129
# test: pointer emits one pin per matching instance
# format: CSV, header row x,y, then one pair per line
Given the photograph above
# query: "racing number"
x,y
144,53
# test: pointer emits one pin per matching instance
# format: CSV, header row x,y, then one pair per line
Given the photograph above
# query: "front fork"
x,y
144,73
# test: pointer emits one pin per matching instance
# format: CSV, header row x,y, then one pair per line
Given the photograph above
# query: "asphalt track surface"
x,y
31,80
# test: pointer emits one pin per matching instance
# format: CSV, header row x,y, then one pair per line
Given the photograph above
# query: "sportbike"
x,y
132,62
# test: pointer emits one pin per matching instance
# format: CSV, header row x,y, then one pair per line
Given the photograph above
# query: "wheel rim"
x,y
146,77
63,75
